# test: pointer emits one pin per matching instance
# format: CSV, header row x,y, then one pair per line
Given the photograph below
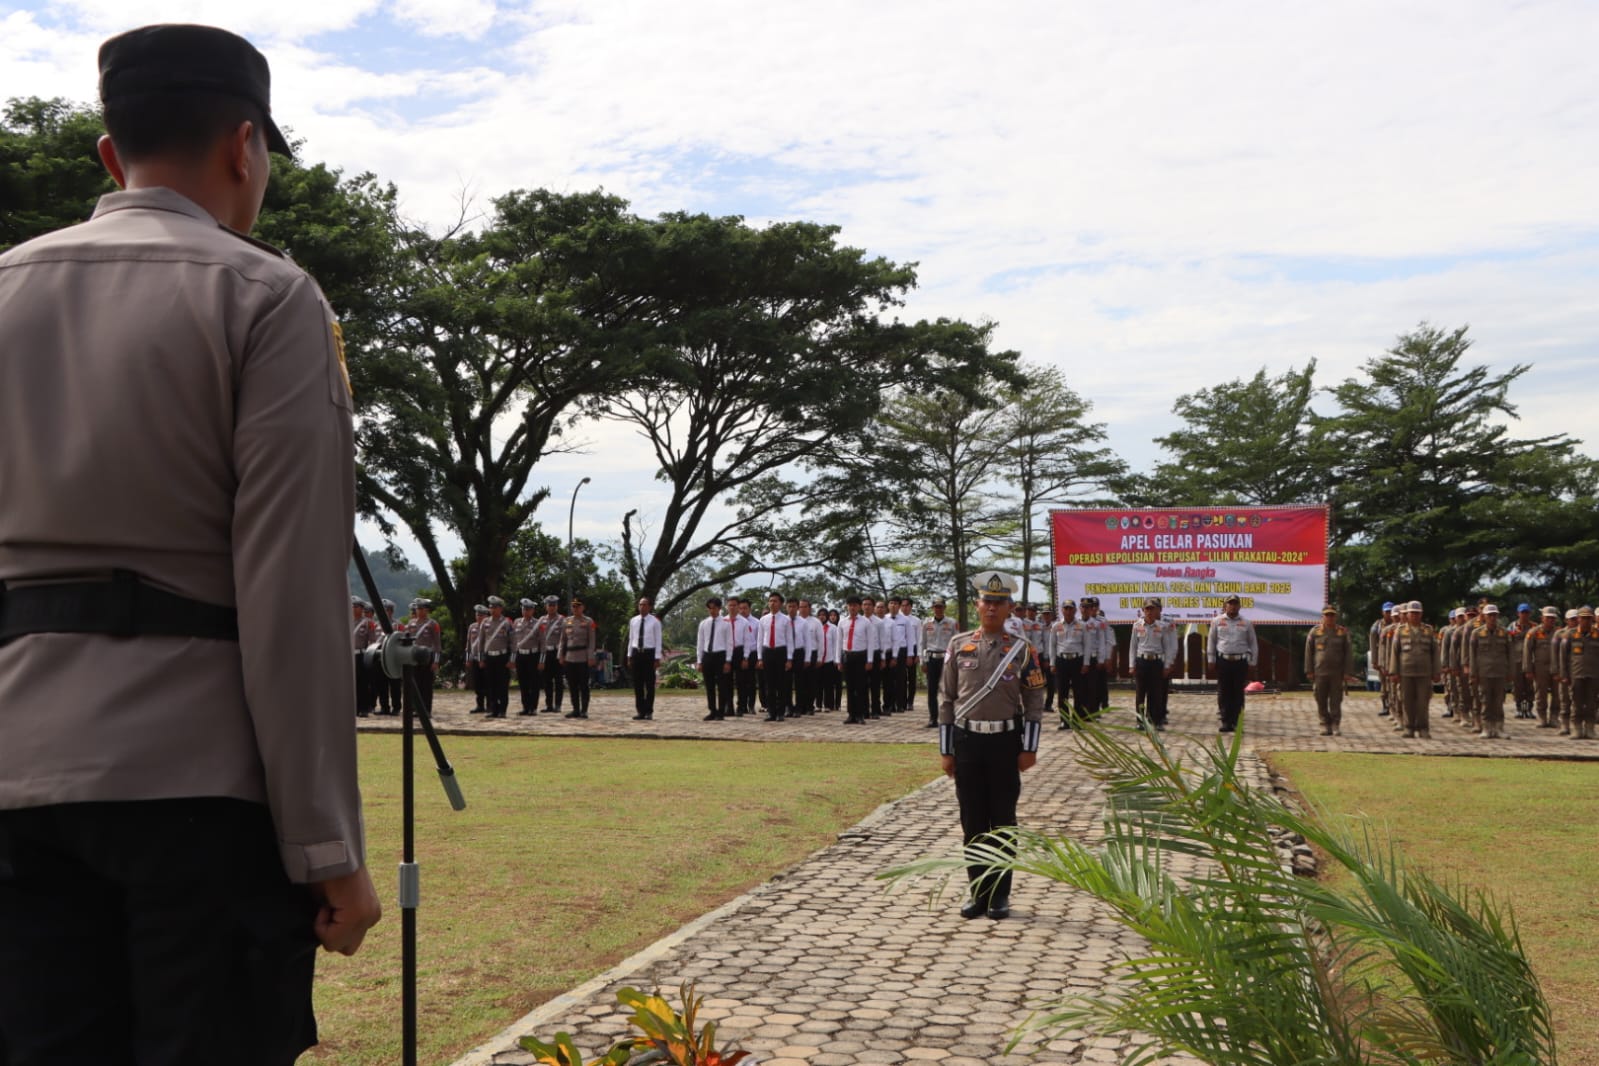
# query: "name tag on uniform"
x,y
968,664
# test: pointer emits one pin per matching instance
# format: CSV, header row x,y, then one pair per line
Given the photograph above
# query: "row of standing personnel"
x,y
1552,670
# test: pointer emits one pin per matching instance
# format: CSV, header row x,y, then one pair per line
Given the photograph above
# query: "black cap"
x,y
172,57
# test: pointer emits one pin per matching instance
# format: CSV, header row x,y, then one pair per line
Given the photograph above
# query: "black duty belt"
x,y
123,606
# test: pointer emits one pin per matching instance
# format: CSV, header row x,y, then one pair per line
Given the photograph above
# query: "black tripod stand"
x,y
399,657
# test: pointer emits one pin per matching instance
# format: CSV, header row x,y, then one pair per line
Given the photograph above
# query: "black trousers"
x,y
804,698
1072,683
1149,679
162,933
718,683
642,666
911,685
894,686
1231,677
577,680
774,681
744,678
1098,686
874,684
830,686
390,690
497,683
528,680
477,677
856,684
554,681
364,696
935,674
988,784
424,684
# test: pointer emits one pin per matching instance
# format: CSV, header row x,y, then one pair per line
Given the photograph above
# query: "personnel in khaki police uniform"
x,y
990,719
180,822
1537,663
476,676
495,642
1413,661
361,638
426,634
1489,659
937,632
1580,658
552,625
1153,648
528,646
580,640
1329,658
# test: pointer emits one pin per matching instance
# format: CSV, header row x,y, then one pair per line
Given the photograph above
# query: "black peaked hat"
x,y
172,57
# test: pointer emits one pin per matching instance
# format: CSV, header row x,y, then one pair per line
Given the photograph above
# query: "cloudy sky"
x,y
1155,196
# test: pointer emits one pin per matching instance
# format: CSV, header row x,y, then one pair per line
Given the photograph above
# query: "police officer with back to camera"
x,y
180,822
989,724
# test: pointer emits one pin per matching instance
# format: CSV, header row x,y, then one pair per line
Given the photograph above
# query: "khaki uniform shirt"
x,y
1537,652
1580,654
970,660
173,401
936,635
474,645
495,637
428,635
1489,653
527,638
579,637
551,628
362,635
1329,652
1413,650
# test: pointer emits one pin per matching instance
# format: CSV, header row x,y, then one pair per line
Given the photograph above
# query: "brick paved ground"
x,y
823,966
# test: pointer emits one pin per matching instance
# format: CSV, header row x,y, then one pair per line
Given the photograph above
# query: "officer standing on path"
x,y
580,640
528,647
1377,655
476,678
361,639
1069,639
1537,664
1154,653
551,628
989,725
180,816
1232,650
1580,659
644,649
1489,663
1329,658
937,632
713,650
495,641
1100,647
1413,663
425,633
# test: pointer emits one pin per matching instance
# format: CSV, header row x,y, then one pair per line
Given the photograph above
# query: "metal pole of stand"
x,y
400,658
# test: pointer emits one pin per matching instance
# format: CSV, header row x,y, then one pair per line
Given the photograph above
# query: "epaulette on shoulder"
x,y
256,241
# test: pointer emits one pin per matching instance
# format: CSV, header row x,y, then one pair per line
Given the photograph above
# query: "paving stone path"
x,y
825,966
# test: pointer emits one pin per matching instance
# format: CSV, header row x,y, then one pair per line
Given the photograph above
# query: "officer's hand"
x,y
948,762
788,664
1026,760
698,667
760,664
349,907
868,667
727,668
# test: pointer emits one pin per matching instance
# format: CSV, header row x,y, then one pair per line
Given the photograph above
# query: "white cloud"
x,y
1150,194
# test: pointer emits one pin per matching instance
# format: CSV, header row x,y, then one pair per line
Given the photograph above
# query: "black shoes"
x,y
999,908
574,714
975,908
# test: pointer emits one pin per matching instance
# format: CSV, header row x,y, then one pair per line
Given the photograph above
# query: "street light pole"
x,y
571,511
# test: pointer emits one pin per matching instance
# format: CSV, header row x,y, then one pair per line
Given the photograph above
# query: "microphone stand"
x,y
399,657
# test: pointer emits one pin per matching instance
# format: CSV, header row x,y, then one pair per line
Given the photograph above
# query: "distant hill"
x,y
401,585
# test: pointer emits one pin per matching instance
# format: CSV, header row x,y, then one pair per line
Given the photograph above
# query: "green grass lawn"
x,y
572,854
1518,829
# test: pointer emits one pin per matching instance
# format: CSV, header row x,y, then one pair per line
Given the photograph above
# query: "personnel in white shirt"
x,y
829,691
747,655
644,649
913,651
1100,650
894,679
857,651
1154,654
806,650
713,657
775,637
874,678
1071,639
1232,650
